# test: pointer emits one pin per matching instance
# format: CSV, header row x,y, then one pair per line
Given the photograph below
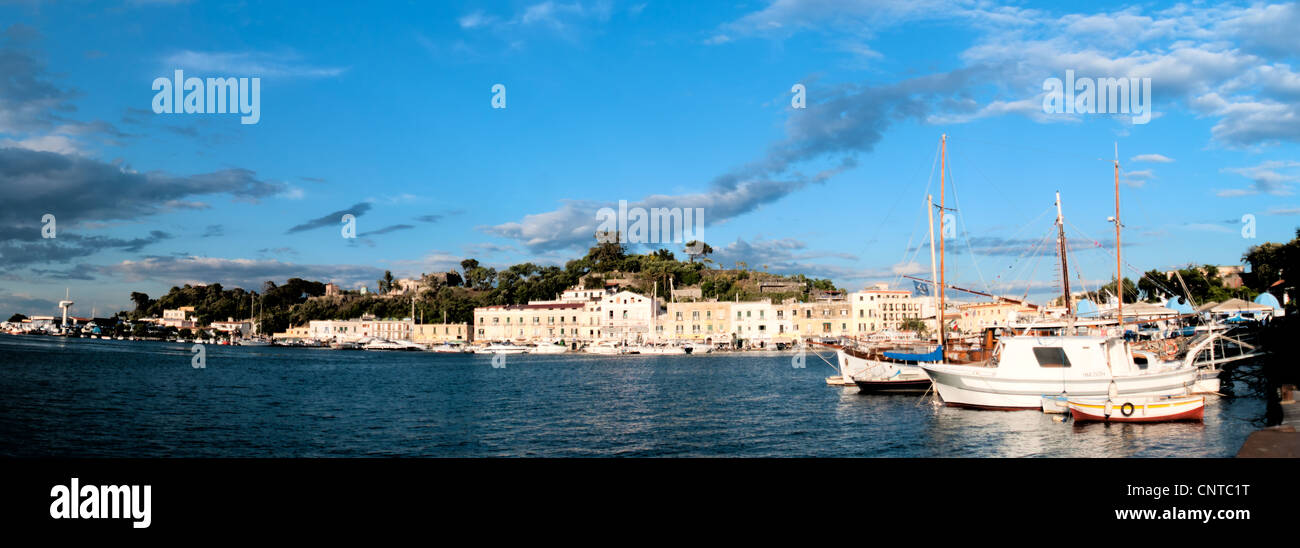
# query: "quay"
x,y
1281,441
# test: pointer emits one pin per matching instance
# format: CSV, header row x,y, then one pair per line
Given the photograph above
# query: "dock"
x,y
1281,441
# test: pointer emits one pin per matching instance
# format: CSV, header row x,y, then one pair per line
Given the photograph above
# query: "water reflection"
x,y
84,397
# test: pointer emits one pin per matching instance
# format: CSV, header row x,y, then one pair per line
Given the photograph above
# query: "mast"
x,y
934,293
1119,271
943,166
1060,243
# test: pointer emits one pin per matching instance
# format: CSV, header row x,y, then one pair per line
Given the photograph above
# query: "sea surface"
x,y
86,397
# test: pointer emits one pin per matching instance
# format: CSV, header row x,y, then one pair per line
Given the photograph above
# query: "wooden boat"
x,y
1054,405
1138,409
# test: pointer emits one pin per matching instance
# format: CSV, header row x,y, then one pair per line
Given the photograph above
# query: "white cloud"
x,y
1151,158
248,64
45,143
1274,177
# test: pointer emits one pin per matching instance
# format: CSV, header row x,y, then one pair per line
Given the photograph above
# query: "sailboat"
x,y
1027,367
894,367
256,340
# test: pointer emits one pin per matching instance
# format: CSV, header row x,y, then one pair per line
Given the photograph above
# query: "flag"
x,y
920,289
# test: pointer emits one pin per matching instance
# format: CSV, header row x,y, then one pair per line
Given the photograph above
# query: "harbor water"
x,y
99,398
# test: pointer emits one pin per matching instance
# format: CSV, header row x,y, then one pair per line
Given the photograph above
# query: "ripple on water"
x,y
120,398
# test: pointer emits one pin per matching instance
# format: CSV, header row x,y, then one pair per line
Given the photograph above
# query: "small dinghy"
x,y
1138,408
1056,404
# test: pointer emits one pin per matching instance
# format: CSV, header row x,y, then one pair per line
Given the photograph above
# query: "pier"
x,y
1281,441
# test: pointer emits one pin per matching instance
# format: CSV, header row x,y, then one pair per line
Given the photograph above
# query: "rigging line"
x,y
1030,280
1028,250
966,233
1024,272
1139,273
929,183
1018,231
1023,148
987,180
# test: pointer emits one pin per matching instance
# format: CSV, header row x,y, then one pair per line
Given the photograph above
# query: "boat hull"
x,y
1139,410
981,387
908,386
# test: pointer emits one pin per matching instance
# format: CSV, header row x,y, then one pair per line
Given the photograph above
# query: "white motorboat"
x,y
501,348
447,348
385,344
1025,368
698,348
548,349
603,348
253,342
658,349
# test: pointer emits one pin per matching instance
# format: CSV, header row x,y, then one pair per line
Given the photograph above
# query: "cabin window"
x,y
1051,356
1140,361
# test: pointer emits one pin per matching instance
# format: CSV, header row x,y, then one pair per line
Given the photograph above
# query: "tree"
x,y
140,300
914,324
1153,284
696,249
386,283
17,318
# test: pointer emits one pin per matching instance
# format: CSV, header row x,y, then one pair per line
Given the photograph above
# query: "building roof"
x,y
1148,309
549,306
1238,305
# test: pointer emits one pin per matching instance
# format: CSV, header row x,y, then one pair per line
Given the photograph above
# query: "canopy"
x,y
935,356
1238,305
1147,310
1267,299
1085,309
1179,305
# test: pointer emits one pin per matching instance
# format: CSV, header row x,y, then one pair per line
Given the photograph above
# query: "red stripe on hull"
x,y
991,407
1193,415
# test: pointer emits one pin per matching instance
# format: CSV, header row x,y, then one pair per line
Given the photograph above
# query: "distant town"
x,y
613,296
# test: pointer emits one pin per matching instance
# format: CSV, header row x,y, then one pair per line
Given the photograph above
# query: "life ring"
x,y
1126,409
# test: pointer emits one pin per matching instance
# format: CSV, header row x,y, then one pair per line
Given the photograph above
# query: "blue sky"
x,y
386,110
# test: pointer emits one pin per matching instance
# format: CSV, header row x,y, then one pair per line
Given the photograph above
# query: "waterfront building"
x,y
237,329
707,322
439,333
754,323
293,333
539,322
351,330
822,319
626,316
975,317
881,308
179,318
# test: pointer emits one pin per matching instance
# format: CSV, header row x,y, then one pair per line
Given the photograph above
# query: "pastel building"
x,y
179,318
439,333
707,322
538,322
626,316
880,309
